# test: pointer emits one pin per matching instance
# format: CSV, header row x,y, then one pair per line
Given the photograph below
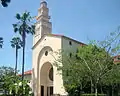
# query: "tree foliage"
x,y
1,42
24,25
11,84
91,67
16,42
6,71
5,2
16,88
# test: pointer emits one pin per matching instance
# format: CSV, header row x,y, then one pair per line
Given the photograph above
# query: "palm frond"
x,y
24,24
16,42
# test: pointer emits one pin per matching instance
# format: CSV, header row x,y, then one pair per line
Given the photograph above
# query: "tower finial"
x,y
44,2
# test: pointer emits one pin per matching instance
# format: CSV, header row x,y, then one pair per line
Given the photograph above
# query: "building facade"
x,y
46,79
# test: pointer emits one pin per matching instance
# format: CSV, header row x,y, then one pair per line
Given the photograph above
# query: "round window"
x,y
51,74
46,53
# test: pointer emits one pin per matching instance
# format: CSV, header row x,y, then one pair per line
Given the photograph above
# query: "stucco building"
x,y
46,80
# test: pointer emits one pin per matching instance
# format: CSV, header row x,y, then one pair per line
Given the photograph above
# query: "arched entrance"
x,y
46,79
43,66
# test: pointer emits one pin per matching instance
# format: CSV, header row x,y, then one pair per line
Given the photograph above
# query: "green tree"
x,y
91,66
96,63
1,42
11,84
74,79
16,88
24,26
17,44
112,80
5,2
5,72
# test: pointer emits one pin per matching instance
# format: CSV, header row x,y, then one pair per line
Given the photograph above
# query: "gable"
x,y
44,38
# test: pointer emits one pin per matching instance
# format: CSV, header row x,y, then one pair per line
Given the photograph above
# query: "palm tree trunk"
x,y
23,58
23,37
16,60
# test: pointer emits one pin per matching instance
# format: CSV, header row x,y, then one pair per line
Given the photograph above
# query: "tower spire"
x,y
43,9
43,2
43,25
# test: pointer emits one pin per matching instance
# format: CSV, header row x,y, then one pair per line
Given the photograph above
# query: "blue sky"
x,y
82,20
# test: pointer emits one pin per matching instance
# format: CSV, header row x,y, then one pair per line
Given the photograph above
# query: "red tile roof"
x,y
29,72
116,60
116,56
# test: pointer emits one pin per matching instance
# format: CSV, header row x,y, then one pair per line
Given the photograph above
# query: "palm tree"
x,y
1,42
17,44
24,26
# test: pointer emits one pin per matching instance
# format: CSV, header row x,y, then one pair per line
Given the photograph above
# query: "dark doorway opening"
x,y
51,91
42,90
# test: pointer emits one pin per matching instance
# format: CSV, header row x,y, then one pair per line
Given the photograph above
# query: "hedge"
x,y
93,95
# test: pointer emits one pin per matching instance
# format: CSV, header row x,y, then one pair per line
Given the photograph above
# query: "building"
x,y
44,78
117,59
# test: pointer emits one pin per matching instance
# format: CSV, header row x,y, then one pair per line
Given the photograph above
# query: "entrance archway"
x,y
46,79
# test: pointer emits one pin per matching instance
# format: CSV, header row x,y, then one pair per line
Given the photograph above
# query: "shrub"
x,y
93,95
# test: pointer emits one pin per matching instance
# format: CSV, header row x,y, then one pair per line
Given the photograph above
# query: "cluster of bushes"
x,y
93,95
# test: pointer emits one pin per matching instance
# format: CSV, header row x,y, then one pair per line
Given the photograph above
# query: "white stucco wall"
x,y
55,43
28,77
48,43
69,48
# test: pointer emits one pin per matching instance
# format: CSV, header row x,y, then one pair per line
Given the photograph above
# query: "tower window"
x,y
70,43
46,53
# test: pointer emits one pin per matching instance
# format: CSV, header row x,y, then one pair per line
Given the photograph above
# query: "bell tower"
x,y
43,25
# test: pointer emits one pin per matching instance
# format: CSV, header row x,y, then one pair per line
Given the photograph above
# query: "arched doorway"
x,y
42,67
46,79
